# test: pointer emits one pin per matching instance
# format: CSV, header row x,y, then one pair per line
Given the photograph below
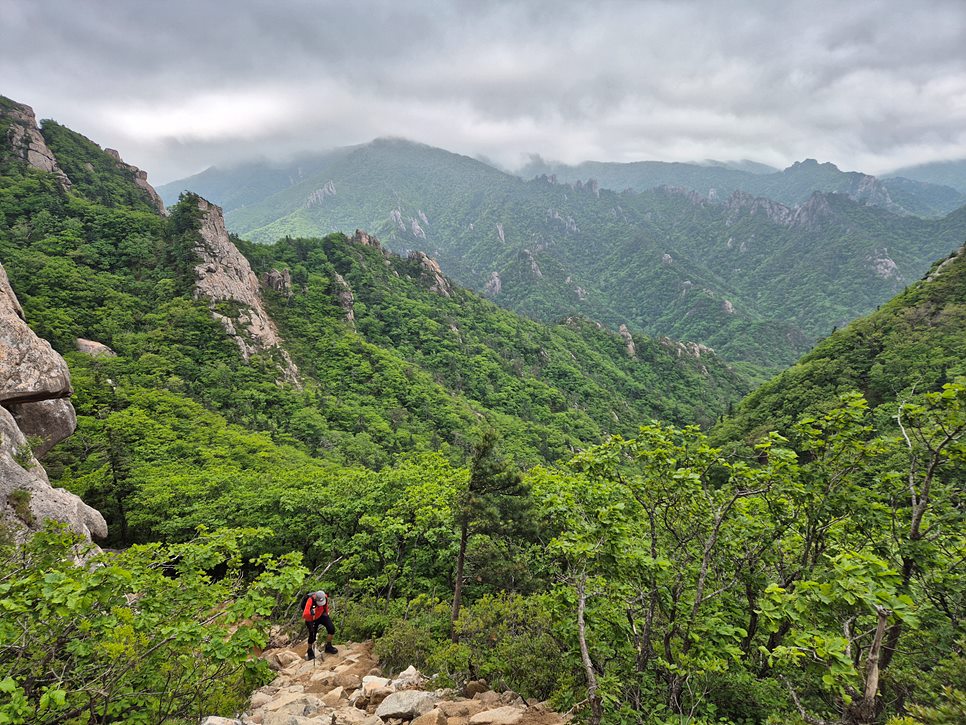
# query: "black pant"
x,y
314,627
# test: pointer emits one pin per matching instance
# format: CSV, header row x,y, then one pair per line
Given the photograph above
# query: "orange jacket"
x,y
313,610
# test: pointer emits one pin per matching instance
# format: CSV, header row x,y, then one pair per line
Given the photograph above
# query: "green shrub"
x,y
145,635
19,499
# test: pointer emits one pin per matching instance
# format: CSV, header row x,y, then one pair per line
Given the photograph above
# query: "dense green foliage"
x,y
146,635
97,175
915,342
756,281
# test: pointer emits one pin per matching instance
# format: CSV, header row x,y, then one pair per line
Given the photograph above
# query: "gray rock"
x,y
26,142
280,282
49,420
30,370
223,274
20,471
431,271
407,705
507,715
93,348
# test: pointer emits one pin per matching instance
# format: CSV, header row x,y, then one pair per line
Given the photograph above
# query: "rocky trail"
x,y
349,688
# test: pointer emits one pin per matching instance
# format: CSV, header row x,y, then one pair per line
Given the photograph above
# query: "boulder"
x,y
506,715
30,370
433,717
294,703
488,698
285,718
212,720
474,687
352,716
407,705
282,659
371,683
51,421
334,697
461,708
375,697
347,680
20,471
93,348
408,679
259,699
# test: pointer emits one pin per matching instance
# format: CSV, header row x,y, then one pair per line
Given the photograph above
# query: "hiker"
x,y
316,612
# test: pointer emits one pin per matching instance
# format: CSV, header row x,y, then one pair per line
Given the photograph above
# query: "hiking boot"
x,y
310,655
329,649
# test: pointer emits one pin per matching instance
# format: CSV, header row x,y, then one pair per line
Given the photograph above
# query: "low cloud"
x,y
178,86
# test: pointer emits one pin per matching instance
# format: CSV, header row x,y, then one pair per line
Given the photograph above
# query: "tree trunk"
x,y
864,711
458,584
596,707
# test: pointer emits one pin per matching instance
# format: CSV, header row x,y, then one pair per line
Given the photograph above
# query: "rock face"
x,y
30,370
140,179
345,298
224,275
34,384
280,282
628,341
493,285
49,420
25,141
429,268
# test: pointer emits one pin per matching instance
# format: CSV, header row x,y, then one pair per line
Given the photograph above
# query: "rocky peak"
x,y
224,274
280,282
345,298
741,203
430,269
689,194
140,179
686,349
494,285
363,238
34,385
526,256
321,194
628,341
26,142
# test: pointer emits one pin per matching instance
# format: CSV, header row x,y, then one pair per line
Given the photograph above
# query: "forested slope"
x,y
914,343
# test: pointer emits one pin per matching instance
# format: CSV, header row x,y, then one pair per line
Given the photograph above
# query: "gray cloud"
x,y
178,85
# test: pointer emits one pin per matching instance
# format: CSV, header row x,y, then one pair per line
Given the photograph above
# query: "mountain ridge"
x,y
552,249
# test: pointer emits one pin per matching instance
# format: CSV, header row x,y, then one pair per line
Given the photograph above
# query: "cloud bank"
x,y
178,86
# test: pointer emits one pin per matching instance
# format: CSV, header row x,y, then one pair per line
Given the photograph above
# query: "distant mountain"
x,y
948,173
756,280
791,186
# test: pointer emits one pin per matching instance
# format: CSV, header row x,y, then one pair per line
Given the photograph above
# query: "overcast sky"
x,y
178,85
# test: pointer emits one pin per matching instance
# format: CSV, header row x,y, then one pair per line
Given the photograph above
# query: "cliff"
x,y
224,275
34,386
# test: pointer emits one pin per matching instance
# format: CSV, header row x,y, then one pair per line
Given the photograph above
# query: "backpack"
x,y
318,603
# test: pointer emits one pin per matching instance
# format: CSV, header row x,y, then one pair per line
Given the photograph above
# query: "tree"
x,y
494,501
